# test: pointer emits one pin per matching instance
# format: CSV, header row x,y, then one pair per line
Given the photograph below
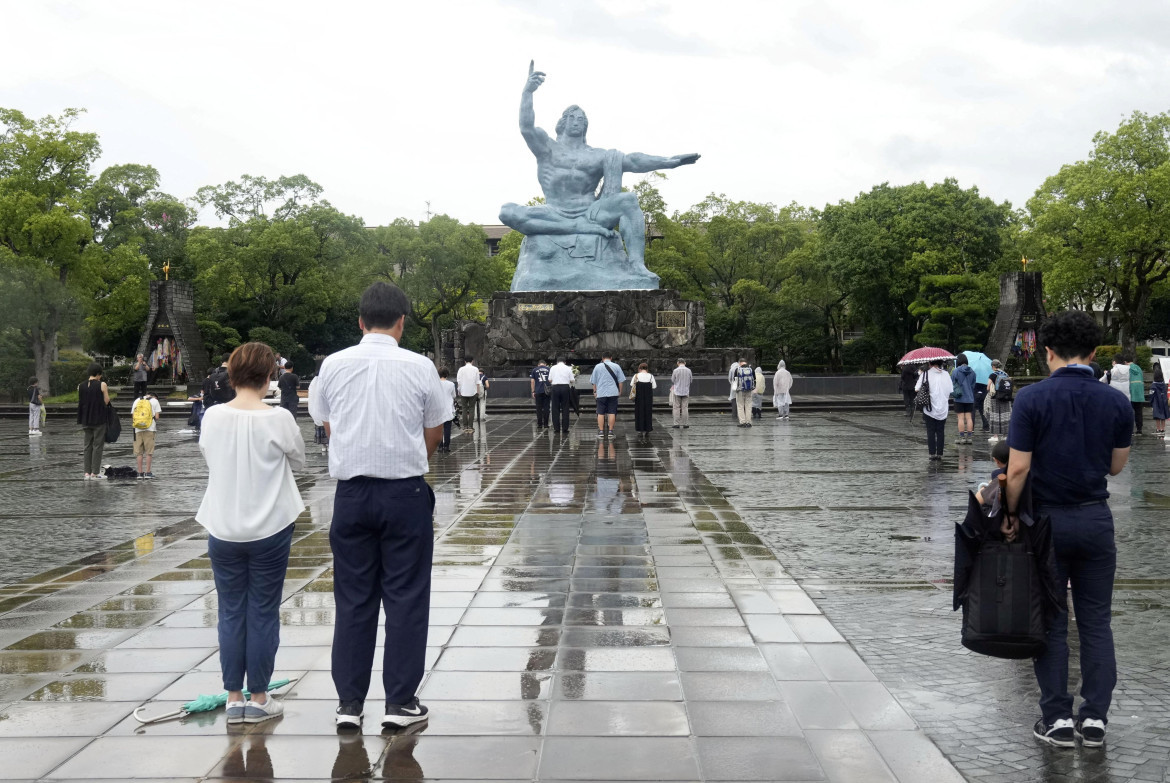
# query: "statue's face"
x,y
573,122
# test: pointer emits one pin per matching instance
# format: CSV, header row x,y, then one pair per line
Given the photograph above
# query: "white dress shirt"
x,y
467,380
560,374
378,398
251,456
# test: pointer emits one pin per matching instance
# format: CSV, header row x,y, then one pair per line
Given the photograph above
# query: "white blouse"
x,y
645,377
251,456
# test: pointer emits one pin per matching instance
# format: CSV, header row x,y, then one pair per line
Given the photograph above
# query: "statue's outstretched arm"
x,y
640,162
536,138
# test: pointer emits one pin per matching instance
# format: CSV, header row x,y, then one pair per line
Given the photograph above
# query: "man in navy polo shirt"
x,y
1070,432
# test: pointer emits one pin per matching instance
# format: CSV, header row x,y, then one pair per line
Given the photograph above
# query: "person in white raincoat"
x,y
781,385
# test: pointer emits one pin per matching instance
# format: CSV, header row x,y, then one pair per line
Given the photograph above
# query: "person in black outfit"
x,y
288,383
92,398
643,385
906,383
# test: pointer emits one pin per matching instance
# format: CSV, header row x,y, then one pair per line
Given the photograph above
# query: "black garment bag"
x,y
1007,590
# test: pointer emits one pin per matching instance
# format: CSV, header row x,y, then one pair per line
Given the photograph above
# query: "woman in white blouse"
x,y
251,502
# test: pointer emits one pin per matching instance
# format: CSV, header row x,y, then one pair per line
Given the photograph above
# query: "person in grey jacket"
x,y
680,394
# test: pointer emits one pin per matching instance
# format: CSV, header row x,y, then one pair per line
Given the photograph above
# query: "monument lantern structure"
x,y
1017,322
170,340
581,286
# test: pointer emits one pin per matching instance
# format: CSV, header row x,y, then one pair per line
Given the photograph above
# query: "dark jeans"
x,y
139,389
382,543
291,408
1137,416
1085,555
561,399
980,396
542,403
95,443
447,434
249,577
936,430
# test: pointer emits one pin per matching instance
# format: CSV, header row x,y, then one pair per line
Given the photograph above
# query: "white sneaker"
x,y
993,439
258,713
235,712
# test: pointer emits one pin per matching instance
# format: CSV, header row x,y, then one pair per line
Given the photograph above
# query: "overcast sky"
x,y
389,105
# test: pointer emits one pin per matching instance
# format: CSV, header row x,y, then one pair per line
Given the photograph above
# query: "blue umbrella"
x,y
981,364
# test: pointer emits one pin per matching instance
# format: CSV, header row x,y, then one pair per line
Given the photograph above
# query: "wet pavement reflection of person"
x,y
249,759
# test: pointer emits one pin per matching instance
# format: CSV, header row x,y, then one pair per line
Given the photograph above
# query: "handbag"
x,y
922,398
1003,615
113,424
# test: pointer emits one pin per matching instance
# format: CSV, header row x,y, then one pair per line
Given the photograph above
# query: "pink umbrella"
x,y
924,355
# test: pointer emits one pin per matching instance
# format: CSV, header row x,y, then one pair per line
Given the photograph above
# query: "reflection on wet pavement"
x,y
600,611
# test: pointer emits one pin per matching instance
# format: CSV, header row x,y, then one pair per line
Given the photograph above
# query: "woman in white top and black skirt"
x,y
249,508
642,387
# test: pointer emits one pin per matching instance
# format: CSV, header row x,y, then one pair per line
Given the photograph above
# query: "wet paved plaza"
x,y
717,604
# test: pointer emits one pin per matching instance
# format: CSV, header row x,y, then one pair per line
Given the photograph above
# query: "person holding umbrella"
x,y
963,379
935,416
981,364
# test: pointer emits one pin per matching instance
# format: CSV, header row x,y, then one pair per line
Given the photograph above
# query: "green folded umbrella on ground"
x,y
204,703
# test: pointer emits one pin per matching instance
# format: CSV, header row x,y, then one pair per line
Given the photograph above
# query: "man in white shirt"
x,y
560,380
144,436
680,390
383,408
467,384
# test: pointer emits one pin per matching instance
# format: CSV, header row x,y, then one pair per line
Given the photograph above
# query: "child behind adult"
x,y
448,393
249,509
988,492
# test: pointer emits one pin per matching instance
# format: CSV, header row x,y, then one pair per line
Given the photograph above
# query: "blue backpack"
x,y
745,379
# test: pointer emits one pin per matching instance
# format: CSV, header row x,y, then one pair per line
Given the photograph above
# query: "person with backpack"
x,y
999,400
144,415
743,382
1069,435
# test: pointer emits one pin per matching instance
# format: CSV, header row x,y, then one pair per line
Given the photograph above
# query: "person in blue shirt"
x,y
607,379
538,385
1069,433
963,378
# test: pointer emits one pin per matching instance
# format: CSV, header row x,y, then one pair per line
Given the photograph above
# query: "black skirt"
x,y
643,407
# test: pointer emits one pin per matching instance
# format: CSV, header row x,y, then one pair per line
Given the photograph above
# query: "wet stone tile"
x,y
32,758
618,718
609,686
496,636
742,719
496,659
729,686
603,659
757,758
619,758
717,659
491,686
31,719
105,687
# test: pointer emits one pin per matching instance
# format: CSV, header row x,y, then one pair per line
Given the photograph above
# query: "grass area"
x,y
71,398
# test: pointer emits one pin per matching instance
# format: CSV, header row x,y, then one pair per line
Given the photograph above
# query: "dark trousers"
x,y
447,434
1137,416
575,400
908,399
382,543
561,399
95,443
542,402
1085,555
139,389
980,396
936,431
291,408
249,577
467,408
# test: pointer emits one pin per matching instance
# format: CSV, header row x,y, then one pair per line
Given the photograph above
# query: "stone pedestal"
x,y
655,326
1021,308
578,262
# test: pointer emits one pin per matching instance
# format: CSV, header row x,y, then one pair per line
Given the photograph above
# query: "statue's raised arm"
x,y
640,162
535,137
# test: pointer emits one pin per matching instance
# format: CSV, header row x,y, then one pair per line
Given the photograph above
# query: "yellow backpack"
x,y
142,415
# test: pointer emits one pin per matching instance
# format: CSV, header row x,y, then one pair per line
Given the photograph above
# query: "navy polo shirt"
x,y
1071,423
540,376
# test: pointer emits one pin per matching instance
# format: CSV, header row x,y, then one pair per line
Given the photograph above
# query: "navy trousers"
x,y
542,405
382,540
936,431
1087,557
560,407
249,577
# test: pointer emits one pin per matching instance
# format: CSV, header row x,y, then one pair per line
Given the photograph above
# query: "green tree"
x,y
48,259
883,245
443,267
954,312
1108,219
285,261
